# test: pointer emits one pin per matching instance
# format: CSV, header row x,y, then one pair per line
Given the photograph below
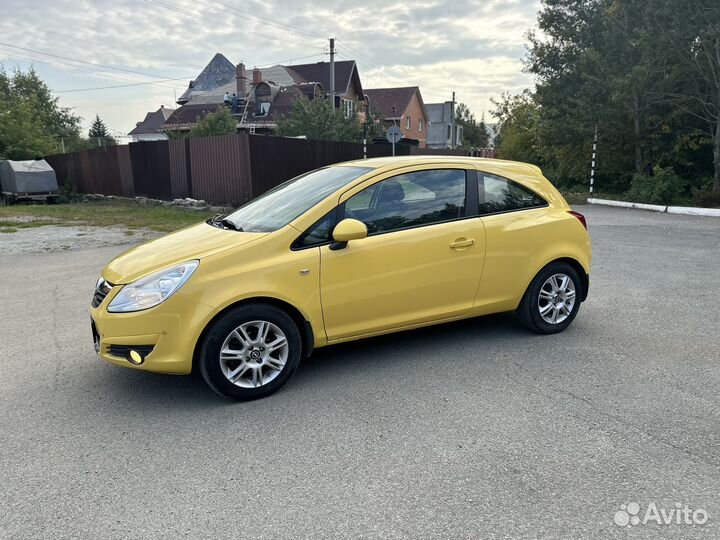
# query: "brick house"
x,y
404,107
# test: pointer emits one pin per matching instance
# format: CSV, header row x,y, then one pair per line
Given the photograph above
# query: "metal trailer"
x,y
27,181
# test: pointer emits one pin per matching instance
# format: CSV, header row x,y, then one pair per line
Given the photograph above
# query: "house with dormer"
x,y
264,94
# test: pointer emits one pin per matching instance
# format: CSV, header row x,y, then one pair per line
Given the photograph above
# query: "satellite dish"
x,y
394,134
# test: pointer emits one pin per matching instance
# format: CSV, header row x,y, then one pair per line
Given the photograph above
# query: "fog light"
x,y
135,357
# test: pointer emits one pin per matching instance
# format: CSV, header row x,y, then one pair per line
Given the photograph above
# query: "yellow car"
x,y
341,253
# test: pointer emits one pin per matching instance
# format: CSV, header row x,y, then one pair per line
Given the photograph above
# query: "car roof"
x,y
491,164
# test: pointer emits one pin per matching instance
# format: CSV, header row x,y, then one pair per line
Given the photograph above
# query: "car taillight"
x,y
580,217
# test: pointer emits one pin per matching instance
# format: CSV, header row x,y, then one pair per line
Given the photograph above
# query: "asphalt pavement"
x,y
477,429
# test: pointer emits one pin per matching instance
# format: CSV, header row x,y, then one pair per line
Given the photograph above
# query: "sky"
x,y
153,48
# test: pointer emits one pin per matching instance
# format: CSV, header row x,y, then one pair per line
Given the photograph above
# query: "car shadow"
x,y
335,365
423,346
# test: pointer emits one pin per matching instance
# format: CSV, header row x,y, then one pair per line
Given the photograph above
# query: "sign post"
x,y
394,134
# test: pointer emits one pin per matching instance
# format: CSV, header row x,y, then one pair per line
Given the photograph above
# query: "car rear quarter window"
x,y
497,194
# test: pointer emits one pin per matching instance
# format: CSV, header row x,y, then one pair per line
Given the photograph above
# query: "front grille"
x,y
101,291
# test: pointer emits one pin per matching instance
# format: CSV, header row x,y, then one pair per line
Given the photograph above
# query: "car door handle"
x,y
461,243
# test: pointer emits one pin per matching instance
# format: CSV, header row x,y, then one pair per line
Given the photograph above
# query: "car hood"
x,y
195,242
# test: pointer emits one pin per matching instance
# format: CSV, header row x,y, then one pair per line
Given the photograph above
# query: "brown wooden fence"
x,y
226,170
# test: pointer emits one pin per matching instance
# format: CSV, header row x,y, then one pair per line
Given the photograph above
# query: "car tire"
x,y
552,299
239,363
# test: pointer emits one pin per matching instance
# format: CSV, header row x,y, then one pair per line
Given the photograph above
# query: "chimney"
x,y
257,76
241,82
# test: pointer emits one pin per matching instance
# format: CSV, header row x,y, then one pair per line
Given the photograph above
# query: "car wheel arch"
x,y
304,327
577,266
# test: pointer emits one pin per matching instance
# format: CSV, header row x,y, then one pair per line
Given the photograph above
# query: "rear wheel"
x,y
250,352
552,300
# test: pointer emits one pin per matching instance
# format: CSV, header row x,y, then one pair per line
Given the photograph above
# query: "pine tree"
x,y
98,128
99,133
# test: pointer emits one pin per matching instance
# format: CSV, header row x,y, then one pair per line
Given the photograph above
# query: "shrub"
x,y
69,194
664,187
706,198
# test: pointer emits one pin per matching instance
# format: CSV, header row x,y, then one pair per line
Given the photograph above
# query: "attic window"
x,y
263,98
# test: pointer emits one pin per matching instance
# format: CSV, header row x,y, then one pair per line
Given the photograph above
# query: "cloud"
x,y
471,47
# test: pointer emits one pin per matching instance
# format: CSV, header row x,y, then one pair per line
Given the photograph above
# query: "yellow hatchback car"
x,y
341,253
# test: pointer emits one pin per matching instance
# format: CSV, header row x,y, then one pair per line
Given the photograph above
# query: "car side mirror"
x,y
348,229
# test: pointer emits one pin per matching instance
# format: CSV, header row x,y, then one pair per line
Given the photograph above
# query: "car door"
x,y
514,217
422,259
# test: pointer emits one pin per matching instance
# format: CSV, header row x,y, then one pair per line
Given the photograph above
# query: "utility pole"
x,y
62,143
452,122
592,166
332,72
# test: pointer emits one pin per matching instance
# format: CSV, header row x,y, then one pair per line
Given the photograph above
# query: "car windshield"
x,y
281,205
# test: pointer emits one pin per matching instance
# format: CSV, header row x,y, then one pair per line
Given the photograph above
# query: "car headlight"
x,y
152,290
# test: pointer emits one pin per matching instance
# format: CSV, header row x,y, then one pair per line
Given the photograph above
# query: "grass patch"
x,y
8,230
103,214
26,224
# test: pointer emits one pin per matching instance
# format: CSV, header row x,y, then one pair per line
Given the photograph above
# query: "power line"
x,y
254,17
217,21
270,64
84,61
395,77
34,59
134,52
116,86
168,80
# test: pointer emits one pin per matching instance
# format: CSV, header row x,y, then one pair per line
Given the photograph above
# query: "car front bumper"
x,y
160,339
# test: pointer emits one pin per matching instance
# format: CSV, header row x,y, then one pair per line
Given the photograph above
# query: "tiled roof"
x,y
190,114
320,72
384,99
287,83
153,121
218,72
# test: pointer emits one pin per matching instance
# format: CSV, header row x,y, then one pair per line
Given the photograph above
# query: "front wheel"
x,y
250,352
552,300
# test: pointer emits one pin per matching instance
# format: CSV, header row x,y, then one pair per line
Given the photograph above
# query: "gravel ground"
x,y
63,238
476,429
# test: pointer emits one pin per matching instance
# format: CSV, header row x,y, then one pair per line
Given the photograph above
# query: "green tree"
x,y
220,122
689,35
99,133
475,133
646,73
375,124
32,122
517,131
317,120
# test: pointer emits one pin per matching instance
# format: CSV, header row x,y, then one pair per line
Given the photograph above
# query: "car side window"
x,y
410,200
318,234
497,194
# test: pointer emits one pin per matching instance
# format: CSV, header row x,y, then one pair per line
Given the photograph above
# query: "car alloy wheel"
x,y
254,354
557,298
